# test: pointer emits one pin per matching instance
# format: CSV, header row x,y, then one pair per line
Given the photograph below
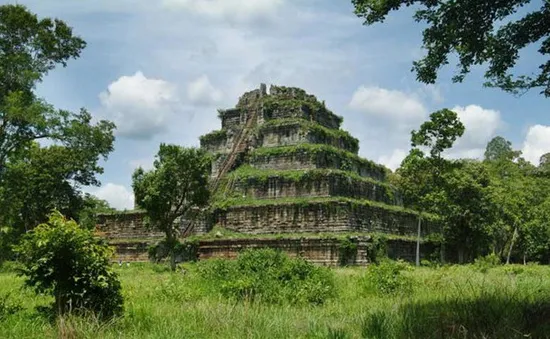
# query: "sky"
x,y
161,69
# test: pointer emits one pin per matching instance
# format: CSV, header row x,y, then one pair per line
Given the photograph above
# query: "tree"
x,y
498,149
478,32
29,49
35,179
62,259
544,163
175,188
422,176
439,133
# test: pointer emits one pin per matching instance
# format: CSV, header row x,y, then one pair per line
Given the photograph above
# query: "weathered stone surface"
x,y
303,160
323,251
290,131
125,225
329,185
318,250
317,217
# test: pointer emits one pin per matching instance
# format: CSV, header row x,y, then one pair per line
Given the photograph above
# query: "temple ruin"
x,y
285,175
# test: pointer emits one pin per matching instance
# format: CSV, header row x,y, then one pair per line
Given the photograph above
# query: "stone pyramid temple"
x,y
285,175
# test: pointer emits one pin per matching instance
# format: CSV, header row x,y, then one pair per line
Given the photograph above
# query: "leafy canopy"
x,y
490,32
35,179
177,187
61,259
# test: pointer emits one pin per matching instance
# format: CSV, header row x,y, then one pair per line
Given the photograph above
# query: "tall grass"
x,y
447,302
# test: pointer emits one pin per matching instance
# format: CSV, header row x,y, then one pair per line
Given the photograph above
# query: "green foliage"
x,y
269,276
347,251
439,133
499,149
8,307
183,251
444,303
177,187
386,277
213,137
61,259
485,263
330,153
318,131
35,179
478,32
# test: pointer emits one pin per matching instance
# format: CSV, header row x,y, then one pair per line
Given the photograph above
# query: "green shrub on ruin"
x,y
212,137
329,135
269,276
314,150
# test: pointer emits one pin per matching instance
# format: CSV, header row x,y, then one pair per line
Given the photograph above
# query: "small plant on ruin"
x,y
269,276
66,261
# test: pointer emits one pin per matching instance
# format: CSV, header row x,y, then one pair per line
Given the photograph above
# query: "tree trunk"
x,y
418,240
461,255
173,260
511,246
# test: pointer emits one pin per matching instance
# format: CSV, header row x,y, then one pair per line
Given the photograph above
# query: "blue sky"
x,y
160,69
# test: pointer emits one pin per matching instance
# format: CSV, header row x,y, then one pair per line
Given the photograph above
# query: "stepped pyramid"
x,y
285,175
283,165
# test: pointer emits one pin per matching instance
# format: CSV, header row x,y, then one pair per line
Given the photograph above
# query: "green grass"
x,y
448,302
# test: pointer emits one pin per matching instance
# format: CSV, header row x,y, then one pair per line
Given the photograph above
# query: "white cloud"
x,y
139,106
388,104
201,92
393,161
118,196
537,143
234,11
481,126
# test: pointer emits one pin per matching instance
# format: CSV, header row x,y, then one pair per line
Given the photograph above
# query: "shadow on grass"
x,y
488,316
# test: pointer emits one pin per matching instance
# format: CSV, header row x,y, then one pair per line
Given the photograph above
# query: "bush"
x,y
386,278
483,264
8,307
61,259
186,251
269,276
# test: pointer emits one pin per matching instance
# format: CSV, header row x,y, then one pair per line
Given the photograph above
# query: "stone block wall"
x,y
317,217
232,118
317,250
295,134
322,251
305,161
329,185
302,111
125,225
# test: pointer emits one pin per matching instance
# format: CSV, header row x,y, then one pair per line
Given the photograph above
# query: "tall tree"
x,y
499,148
29,49
422,176
175,188
479,32
34,179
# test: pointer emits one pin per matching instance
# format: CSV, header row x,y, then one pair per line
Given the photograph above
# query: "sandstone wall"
x,y
304,161
320,251
320,217
125,225
318,186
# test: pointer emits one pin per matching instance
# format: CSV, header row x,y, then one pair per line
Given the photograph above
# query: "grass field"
x,y
447,302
